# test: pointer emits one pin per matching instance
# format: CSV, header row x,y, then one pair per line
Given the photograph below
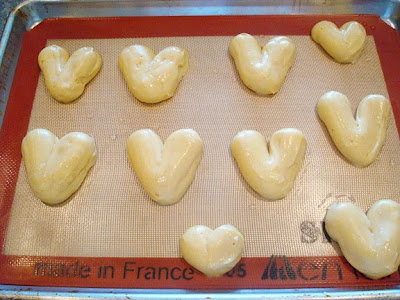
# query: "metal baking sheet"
x,y
280,260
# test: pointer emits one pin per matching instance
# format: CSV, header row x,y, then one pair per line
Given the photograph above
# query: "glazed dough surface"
x,y
165,170
270,172
213,252
262,69
370,243
57,167
65,76
153,78
345,45
359,140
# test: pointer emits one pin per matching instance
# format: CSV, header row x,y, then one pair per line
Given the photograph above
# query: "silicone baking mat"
x,y
111,234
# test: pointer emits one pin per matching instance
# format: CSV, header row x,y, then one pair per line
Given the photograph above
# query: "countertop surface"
x,y
6,7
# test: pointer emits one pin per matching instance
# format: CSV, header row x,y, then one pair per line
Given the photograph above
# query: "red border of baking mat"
x,y
264,272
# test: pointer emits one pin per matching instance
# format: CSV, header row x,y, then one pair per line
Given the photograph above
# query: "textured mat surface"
x,y
110,215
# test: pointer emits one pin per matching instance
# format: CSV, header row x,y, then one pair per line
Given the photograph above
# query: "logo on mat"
x,y
279,267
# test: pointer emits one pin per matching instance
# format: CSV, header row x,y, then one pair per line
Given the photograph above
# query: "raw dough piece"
x,y
270,173
359,140
153,78
262,69
165,170
345,44
65,76
370,243
213,252
56,168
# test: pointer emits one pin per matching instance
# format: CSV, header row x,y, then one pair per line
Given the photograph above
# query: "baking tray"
x,y
386,44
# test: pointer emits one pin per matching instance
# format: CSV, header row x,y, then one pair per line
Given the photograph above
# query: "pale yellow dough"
x,y
345,45
262,69
65,76
271,173
57,167
212,252
153,78
370,243
165,171
359,140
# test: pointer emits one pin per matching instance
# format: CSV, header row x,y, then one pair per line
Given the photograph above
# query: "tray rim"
x,y
10,291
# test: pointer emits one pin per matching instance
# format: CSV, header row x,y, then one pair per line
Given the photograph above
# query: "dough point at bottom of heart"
x,y
212,252
370,242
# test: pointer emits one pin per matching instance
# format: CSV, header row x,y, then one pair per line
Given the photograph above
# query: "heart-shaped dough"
x,y
212,252
270,173
65,76
165,170
56,168
370,243
359,140
345,44
153,78
262,70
